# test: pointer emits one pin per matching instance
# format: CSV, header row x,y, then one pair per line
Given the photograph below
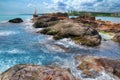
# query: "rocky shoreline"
x,y
82,30
61,27
91,67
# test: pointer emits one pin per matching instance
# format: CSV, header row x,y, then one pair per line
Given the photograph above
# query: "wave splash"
x,y
12,51
7,33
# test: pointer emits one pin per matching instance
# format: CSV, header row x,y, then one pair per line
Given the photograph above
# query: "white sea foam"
x,y
2,22
66,42
48,48
71,64
6,64
29,26
15,51
12,51
7,33
105,36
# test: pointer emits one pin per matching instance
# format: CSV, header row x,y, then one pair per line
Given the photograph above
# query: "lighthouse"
x,y
35,16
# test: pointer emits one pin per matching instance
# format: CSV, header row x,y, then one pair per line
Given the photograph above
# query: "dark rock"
x,y
35,72
59,14
86,17
45,21
49,19
43,24
16,20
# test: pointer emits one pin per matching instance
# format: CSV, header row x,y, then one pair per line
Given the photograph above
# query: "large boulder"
x,y
117,37
90,65
35,72
16,20
45,21
49,19
68,29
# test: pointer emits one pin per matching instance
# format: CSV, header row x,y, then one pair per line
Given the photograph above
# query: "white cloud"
x,y
86,5
30,5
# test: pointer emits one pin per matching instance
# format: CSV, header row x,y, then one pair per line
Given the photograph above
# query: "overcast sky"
x,y
44,6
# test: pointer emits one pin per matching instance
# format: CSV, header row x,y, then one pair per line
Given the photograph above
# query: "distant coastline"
x,y
80,13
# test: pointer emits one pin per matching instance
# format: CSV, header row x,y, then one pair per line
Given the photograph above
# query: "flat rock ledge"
x,y
35,72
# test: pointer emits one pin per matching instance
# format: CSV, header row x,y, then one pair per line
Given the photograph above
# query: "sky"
x,y
45,6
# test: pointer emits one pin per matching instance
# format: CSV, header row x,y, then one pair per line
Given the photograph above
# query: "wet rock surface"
x,y
68,29
16,20
35,72
92,66
117,37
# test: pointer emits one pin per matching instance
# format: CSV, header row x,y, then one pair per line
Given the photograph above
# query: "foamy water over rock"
x,y
98,67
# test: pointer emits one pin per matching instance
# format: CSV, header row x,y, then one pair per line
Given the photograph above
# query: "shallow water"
x,y
112,19
20,44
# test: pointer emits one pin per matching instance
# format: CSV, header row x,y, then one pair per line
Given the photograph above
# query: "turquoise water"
x,y
17,46
112,19
20,44
8,17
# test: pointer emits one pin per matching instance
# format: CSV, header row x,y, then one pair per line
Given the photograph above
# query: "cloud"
x,y
30,5
84,5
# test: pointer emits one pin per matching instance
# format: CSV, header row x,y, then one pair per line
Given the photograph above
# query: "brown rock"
x,y
96,64
89,66
117,37
110,65
49,19
68,29
35,72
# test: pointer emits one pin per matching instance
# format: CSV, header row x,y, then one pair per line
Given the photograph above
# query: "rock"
x,y
110,65
86,21
16,20
45,21
49,19
68,29
90,64
35,72
117,37
108,26
90,21
42,24
86,17
60,16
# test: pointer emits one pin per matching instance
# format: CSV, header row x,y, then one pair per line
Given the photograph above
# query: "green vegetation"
x,y
81,13
105,32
